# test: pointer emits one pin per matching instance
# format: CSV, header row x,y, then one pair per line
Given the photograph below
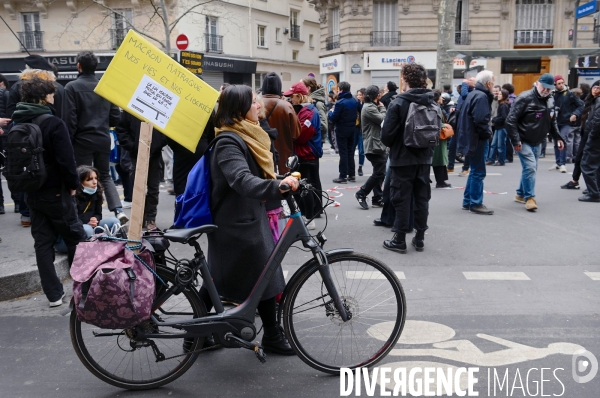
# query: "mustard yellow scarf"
x,y
258,142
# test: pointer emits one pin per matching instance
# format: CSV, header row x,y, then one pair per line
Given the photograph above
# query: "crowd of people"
x,y
485,126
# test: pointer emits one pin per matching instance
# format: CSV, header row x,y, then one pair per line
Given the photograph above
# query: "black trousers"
x,y
345,144
53,213
408,182
375,181
310,205
153,185
440,173
388,213
590,166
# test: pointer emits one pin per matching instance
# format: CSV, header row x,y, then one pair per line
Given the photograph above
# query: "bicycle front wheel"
x,y
117,358
373,295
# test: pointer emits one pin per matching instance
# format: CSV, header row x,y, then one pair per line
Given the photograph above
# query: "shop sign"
x,y
395,60
460,63
332,64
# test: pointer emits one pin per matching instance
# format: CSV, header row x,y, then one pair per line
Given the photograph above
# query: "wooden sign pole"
x,y
141,182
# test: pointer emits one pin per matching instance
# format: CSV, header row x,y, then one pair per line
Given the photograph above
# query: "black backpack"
x,y
25,170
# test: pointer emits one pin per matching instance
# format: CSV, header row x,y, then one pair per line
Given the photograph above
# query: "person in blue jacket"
x,y
343,115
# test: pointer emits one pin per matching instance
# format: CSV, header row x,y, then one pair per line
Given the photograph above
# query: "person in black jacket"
x,y
343,115
499,140
128,133
569,108
528,122
51,207
473,137
4,121
390,95
590,160
409,166
89,118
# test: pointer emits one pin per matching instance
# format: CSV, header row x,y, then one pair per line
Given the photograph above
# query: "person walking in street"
x,y
568,108
89,117
409,166
358,137
590,160
372,114
499,139
473,139
343,115
528,122
52,208
509,147
280,116
453,155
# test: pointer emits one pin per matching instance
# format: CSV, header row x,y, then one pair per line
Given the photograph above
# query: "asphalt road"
x,y
510,294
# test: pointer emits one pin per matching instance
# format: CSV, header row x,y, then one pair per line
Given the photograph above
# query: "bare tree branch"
x,y
183,14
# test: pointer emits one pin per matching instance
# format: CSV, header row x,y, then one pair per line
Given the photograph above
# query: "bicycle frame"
x,y
242,316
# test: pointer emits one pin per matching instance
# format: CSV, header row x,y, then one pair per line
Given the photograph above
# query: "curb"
x,y
21,277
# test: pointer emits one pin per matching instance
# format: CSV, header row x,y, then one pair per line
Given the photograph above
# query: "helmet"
x,y
446,97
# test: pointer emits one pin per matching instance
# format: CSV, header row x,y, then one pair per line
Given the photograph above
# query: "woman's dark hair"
x,y
4,80
361,90
84,172
505,95
311,84
415,75
437,93
370,94
392,86
35,90
509,87
88,61
344,86
234,102
584,87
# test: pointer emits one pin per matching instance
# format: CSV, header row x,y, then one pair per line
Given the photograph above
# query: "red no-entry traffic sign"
x,y
182,42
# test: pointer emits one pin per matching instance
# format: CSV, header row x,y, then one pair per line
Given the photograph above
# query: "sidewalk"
x,y
18,271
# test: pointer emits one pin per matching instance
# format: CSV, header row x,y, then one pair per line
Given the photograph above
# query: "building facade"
x,y
241,40
367,41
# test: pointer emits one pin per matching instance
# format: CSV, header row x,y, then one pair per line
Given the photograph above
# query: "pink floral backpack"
x,y
113,287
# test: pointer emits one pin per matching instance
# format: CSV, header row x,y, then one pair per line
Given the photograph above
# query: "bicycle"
x,y
341,309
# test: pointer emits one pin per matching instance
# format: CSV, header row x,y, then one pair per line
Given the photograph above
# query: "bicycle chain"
x,y
214,347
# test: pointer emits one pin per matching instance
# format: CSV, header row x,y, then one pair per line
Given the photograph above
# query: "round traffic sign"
x,y
182,42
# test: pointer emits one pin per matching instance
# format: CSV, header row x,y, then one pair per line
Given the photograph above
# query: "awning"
x,y
514,53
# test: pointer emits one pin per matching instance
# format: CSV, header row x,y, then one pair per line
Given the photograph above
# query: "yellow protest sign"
x,y
152,86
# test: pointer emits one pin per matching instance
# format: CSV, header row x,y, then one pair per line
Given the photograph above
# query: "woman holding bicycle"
x,y
243,178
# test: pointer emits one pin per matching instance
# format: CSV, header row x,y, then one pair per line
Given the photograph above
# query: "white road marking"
x,y
497,276
595,276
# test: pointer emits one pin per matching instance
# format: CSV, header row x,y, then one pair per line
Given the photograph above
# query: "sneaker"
x,y
332,151
443,185
352,179
340,181
362,200
463,173
26,221
498,164
464,207
122,218
126,204
570,185
542,155
531,205
377,204
554,167
151,225
419,245
562,169
450,170
589,198
392,245
311,225
379,223
57,302
489,163
360,172
519,199
481,209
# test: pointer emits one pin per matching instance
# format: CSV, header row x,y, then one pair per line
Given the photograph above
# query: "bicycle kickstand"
x,y
257,348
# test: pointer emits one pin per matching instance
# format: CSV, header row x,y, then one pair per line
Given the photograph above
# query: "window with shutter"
x,y
534,21
385,24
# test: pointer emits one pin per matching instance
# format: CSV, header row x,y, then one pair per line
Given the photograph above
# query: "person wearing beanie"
x,y
569,108
280,116
590,160
528,122
390,95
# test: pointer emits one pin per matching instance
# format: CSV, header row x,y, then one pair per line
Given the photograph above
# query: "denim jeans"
x,y
498,146
358,141
568,135
529,161
60,245
346,147
473,195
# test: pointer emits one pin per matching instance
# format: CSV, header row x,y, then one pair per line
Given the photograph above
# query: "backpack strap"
x,y
272,109
41,118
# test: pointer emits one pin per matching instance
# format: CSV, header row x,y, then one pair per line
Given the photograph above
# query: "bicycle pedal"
x,y
260,354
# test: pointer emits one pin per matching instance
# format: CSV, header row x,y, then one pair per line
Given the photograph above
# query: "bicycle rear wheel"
x,y
373,295
121,361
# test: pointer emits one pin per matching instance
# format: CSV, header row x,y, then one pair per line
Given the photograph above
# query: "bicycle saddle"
x,y
182,235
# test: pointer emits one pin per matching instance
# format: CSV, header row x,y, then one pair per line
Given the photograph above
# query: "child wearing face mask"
x,y
89,204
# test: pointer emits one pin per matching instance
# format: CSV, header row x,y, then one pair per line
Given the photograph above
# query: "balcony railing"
x,y
214,43
385,39
32,41
533,36
332,42
117,36
294,32
462,37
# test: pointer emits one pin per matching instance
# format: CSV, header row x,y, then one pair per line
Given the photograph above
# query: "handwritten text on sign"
x,y
153,87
